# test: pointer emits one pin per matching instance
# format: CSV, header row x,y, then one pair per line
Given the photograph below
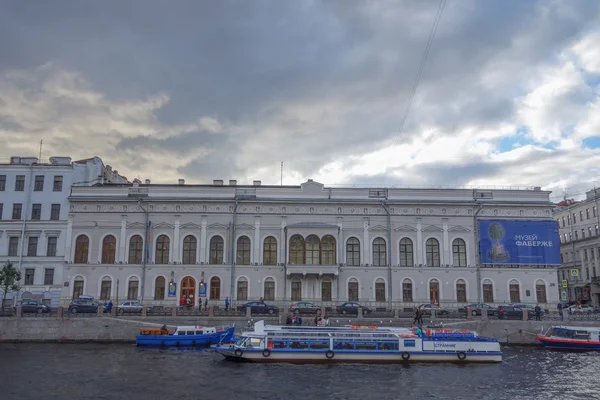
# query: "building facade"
x,y
580,249
382,247
33,218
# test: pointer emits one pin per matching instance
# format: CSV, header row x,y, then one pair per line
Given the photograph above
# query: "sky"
x,y
509,94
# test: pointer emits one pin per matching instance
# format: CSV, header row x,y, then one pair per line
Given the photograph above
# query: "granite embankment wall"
x,y
114,330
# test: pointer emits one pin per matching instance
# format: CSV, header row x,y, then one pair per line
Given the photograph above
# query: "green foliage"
x,y
9,279
496,231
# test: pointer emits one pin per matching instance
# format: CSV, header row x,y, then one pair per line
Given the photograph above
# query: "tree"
x,y
9,280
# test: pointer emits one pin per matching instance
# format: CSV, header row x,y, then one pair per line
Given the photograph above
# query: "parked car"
x,y
304,307
351,307
33,306
129,307
85,306
513,311
258,307
426,309
585,309
477,308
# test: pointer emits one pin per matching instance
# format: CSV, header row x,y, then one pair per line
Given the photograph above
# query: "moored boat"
x,y
357,344
202,336
571,338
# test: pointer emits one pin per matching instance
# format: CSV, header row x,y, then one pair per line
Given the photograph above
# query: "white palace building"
x,y
385,248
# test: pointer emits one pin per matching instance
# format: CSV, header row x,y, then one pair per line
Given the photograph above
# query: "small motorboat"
x,y
571,338
184,336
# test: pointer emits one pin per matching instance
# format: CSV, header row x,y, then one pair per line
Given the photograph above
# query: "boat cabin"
x,y
577,333
194,330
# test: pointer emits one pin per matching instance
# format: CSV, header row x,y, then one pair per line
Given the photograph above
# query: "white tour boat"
x,y
359,344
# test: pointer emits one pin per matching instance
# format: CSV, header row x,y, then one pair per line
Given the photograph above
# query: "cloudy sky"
x,y
202,90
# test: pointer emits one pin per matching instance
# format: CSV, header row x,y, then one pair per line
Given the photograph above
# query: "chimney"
x,y
15,160
181,181
218,182
147,181
232,182
256,183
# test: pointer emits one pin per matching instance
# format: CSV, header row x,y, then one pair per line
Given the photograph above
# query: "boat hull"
x,y
303,357
565,344
205,340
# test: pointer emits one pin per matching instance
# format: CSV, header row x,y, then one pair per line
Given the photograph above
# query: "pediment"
x,y
218,226
244,226
378,228
163,225
432,228
135,225
458,228
190,225
405,228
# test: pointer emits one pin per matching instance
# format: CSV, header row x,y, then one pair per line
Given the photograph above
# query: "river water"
x,y
96,371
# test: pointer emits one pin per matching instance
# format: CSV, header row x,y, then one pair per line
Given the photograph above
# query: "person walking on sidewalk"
x,y
226,303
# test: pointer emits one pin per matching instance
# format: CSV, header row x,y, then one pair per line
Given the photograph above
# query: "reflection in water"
x,y
94,371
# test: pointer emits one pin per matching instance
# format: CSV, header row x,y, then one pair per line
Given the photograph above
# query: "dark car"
x,y
304,307
427,307
258,307
477,308
513,311
352,308
33,306
85,306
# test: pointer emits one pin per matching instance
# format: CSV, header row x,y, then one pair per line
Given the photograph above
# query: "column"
x,y
123,238
203,253
42,248
69,238
282,244
256,258
365,254
341,258
419,259
176,256
447,249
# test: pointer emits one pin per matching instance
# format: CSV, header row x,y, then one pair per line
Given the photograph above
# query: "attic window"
x,y
483,194
378,194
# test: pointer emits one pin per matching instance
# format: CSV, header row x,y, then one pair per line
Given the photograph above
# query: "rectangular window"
x,y
576,235
589,231
407,296
353,291
515,295
1,210
594,211
563,222
51,248
587,274
38,185
55,212
20,183
13,246
29,275
132,289
32,246
296,291
379,291
58,181
325,291
105,289
242,290
583,233
17,207
587,213
270,290
2,183
461,292
36,212
488,293
581,215
49,276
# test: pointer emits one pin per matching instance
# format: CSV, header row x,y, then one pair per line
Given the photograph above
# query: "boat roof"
x,y
578,328
192,327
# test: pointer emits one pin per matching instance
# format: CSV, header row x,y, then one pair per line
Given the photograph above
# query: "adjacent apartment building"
x,y
580,249
34,211
382,247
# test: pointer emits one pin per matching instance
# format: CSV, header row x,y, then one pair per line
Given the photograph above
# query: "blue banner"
x,y
172,289
519,242
202,289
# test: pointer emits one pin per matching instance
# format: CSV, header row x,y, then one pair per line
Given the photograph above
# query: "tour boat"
x,y
184,336
571,338
359,344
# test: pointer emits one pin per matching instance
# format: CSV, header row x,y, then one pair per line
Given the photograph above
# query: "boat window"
x,y
255,342
409,343
388,346
199,333
319,344
189,332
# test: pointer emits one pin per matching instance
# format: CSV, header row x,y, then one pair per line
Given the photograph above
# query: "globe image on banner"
x,y
497,252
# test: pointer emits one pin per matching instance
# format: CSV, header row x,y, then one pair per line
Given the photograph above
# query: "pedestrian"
x,y
182,301
110,306
419,331
226,303
538,313
327,321
206,304
421,312
199,303
288,320
262,300
317,320
560,310
416,319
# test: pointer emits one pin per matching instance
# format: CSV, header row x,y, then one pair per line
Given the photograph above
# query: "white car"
x,y
585,309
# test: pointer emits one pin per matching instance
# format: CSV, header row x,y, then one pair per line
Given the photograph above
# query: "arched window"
x,y
328,250
515,292
380,290
82,245
296,249
461,291
105,288
432,247
270,251
353,252
296,290
215,288
159,288
189,249
379,252
488,291
136,244
242,289
434,291
243,251
313,250
78,283
269,289
407,291
162,249
540,291
216,250
459,253
353,289
133,288
406,253
109,249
